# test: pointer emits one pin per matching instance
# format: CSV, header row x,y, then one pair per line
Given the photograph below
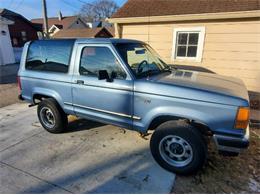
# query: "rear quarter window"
x,y
49,55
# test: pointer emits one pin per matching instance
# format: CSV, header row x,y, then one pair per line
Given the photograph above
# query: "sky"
x,y
33,8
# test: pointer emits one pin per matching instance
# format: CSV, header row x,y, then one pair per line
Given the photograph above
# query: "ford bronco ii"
x,y
125,83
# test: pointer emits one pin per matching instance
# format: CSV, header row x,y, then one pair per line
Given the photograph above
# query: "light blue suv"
x,y
125,83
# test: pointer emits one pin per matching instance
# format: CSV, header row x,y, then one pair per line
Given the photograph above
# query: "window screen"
x,y
49,55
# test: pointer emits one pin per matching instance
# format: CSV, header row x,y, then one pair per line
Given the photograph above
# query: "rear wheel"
x,y
178,147
51,116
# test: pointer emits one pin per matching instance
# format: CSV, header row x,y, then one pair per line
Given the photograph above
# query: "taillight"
x,y
19,83
242,118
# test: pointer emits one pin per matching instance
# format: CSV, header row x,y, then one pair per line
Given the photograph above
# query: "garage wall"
x,y
230,48
6,49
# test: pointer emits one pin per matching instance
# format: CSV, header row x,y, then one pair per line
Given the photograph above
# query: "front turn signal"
x,y
242,118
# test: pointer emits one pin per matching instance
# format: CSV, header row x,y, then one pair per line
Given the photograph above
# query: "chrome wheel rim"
x,y
176,151
47,117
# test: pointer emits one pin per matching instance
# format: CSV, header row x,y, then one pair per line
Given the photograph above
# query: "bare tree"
x,y
98,10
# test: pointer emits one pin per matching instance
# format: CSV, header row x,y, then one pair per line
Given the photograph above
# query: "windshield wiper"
x,y
172,67
148,73
167,69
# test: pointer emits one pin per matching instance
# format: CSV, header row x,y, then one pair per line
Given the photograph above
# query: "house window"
x,y
24,38
3,32
23,34
188,43
15,42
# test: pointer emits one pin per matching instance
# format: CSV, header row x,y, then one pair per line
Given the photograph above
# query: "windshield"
x,y
141,58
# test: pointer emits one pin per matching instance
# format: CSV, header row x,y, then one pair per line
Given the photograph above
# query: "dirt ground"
x,y
8,94
226,174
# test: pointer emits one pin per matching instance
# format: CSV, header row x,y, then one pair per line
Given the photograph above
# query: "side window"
x,y
94,59
49,55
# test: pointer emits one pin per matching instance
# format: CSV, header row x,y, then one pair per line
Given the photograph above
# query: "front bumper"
x,y
232,144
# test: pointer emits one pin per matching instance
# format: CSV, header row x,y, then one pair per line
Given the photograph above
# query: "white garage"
x,y
6,49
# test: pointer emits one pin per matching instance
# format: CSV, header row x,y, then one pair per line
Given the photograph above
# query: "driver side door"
x,y
101,100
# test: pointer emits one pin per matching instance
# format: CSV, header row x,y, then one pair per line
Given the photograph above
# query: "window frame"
x,y
81,46
200,46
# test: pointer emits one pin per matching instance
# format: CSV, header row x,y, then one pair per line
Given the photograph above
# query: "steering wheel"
x,y
139,67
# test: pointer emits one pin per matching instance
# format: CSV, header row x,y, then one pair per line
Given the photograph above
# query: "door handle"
x,y
81,82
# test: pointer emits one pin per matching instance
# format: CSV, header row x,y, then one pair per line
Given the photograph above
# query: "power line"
x,y
84,2
69,4
19,4
90,4
81,1
11,2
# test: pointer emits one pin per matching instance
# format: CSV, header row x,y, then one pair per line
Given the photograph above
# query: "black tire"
x,y
59,117
191,136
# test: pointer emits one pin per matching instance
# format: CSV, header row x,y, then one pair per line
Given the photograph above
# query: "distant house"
x,y
101,23
6,49
220,35
85,33
57,23
22,30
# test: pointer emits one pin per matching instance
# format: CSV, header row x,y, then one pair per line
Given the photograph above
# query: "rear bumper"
x,y
232,144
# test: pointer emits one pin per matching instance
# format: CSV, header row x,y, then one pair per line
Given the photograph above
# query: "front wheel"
x,y
178,147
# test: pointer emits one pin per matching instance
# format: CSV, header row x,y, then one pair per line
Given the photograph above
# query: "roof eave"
x,y
4,20
187,17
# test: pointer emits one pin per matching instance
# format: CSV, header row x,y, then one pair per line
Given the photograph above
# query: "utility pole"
x,y
45,19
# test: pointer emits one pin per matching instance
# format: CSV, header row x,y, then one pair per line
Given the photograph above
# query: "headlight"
x,y
242,118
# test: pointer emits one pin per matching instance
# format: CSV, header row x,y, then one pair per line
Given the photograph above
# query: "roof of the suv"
x,y
106,40
95,40
98,40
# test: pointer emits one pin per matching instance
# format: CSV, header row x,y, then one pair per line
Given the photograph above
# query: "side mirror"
x,y
103,74
113,75
140,52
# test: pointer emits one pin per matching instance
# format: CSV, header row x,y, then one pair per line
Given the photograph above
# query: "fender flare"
x,y
194,115
48,92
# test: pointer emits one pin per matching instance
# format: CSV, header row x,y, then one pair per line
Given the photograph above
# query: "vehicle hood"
x,y
215,83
